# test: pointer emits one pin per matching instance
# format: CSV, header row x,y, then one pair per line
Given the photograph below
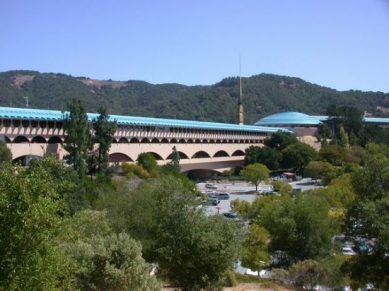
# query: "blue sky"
x,y
342,44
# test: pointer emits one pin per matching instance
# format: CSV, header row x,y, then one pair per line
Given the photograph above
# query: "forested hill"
x,y
263,94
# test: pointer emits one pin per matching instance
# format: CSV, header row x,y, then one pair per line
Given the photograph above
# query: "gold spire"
x,y
240,104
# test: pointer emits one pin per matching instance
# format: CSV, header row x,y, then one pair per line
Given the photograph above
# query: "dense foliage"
x,y
264,94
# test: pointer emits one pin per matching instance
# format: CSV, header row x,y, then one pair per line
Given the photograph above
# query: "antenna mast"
x,y
240,104
26,100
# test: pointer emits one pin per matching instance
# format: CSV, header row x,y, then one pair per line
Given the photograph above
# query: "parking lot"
x,y
235,190
244,191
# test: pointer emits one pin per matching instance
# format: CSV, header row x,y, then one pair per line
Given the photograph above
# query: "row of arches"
x,y
57,139
120,157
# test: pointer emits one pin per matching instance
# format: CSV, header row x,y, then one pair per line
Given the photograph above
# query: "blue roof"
x,y
376,120
28,113
289,118
365,119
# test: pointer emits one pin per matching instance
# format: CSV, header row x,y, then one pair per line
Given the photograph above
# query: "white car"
x,y
348,251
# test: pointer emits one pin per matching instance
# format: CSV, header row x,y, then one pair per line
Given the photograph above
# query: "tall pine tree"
x,y
77,136
104,131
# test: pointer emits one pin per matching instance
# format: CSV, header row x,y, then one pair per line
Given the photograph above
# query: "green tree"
x,y
77,136
112,262
175,160
343,139
104,131
148,162
346,123
309,274
255,173
297,156
255,255
367,222
138,212
339,193
354,155
280,140
5,153
300,228
173,167
251,155
318,170
196,250
333,154
282,187
77,192
191,248
31,222
270,157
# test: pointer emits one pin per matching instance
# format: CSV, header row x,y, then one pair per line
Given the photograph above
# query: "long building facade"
x,y
203,146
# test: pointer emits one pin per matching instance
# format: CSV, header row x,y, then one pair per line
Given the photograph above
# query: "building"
x,y
204,147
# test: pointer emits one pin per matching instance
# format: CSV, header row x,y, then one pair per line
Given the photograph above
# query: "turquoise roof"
x,y
28,113
289,118
365,119
376,120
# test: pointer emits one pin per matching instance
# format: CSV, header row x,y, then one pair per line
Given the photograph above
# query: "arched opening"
x,y
118,158
145,140
34,123
238,153
123,140
164,140
25,123
173,140
220,154
114,140
54,140
7,122
134,140
16,122
42,123
218,141
20,139
181,154
156,156
200,155
38,139
24,161
154,140
211,141
182,140
190,141
197,141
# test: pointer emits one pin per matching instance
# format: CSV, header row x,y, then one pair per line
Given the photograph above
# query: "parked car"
x,y
211,201
210,186
231,215
348,251
222,196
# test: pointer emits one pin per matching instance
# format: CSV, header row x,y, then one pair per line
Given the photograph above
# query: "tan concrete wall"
x,y
218,164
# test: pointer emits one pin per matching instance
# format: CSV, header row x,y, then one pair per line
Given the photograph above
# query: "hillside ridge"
x,y
263,94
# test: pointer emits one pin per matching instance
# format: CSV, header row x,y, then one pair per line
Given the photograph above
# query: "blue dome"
x,y
288,118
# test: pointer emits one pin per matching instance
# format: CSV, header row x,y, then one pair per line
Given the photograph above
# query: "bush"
x,y
230,279
133,169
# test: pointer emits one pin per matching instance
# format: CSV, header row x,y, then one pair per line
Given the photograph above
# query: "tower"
x,y
240,104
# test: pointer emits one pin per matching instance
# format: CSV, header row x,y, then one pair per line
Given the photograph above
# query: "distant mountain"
x,y
263,95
